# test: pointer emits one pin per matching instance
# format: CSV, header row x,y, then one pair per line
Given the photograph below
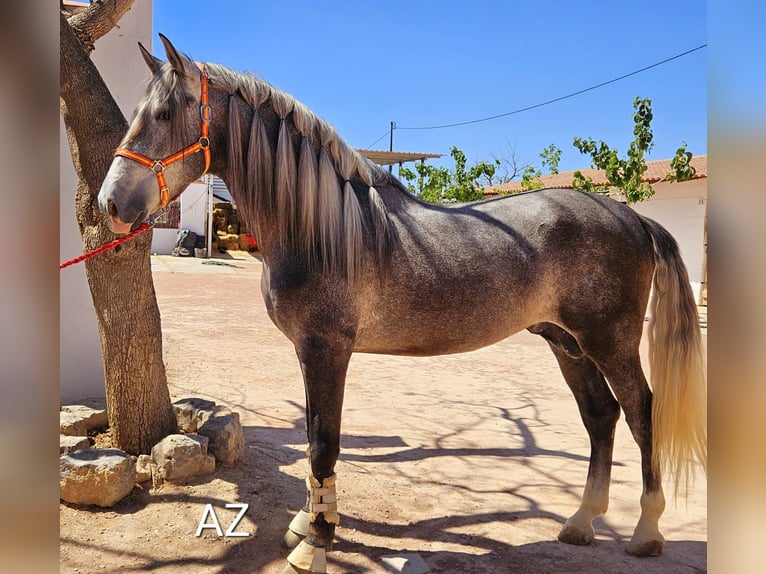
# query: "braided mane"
x,y
307,183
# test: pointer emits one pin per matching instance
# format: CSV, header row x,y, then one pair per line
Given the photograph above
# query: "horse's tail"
x,y
678,377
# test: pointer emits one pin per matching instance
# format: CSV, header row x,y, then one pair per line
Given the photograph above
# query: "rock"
x,y
204,414
144,465
227,442
180,456
96,476
79,420
207,466
188,412
69,444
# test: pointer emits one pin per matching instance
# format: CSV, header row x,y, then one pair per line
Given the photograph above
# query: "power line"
x,y
385,133
577,93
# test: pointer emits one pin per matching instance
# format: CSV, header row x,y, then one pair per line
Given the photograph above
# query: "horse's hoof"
x,y
645,547
577,535
290,540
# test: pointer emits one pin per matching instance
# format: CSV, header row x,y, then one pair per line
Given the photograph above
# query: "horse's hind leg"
x,y
626,377
617,357
599,411
324,363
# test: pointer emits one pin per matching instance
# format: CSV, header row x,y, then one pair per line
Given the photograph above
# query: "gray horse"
x,y
353,262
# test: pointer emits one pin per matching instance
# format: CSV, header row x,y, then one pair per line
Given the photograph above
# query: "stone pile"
x,y
209,433
219,424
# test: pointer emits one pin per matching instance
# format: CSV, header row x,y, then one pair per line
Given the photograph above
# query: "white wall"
x,y
124,71
193,217
194,208
680,207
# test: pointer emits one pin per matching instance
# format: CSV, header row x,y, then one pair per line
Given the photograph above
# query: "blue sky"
x,y
361,65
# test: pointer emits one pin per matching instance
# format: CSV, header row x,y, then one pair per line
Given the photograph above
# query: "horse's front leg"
x,y
324,361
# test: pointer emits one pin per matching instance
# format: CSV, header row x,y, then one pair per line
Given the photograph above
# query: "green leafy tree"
x,y
442,185
626,174
530,178
622,173
681,165
550,158
425,179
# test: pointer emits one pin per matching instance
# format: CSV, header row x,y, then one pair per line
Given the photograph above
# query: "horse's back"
x,y
506,242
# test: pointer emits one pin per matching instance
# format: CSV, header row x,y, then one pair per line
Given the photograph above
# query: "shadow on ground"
x,y
273,495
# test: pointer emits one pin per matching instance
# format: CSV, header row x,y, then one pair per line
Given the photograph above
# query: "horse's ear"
x,y
174,57
151,61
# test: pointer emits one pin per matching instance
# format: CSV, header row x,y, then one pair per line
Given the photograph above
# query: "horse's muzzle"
x,y
117,225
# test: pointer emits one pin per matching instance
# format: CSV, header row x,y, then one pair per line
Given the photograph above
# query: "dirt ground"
x,y
472,461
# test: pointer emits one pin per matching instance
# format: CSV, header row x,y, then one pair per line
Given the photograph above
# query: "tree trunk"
x,y
120,280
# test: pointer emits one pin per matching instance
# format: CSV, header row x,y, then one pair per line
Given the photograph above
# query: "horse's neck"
x,y
258,224
260,221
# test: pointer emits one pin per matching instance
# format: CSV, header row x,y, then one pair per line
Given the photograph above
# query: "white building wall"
x,y
124,71
163,241
194,208
680,207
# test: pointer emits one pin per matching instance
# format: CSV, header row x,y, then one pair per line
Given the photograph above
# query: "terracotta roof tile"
x,y
656,171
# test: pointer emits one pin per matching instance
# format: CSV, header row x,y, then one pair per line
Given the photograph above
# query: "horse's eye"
x,y
162,115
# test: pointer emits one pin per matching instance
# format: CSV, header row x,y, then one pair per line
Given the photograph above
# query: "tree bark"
x,y
120,280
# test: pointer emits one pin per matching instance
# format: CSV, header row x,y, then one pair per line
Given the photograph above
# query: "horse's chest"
x,y
278,306
307,308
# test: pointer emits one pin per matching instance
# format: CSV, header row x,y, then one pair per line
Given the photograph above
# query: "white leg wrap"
x,y
323,499
307,557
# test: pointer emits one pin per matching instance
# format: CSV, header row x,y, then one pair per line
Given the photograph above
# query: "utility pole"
x,y
391,144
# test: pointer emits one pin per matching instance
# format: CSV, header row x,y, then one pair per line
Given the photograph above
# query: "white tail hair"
x,y
678,377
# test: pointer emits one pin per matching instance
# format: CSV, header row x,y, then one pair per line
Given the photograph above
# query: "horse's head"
x,y
166,147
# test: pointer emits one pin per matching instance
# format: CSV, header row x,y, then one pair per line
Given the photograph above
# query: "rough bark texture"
x,y
138,401
97,20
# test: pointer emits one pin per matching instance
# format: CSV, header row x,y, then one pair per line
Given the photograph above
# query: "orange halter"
x,y
203,144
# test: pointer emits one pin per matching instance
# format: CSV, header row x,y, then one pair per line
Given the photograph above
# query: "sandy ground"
x,y
472,461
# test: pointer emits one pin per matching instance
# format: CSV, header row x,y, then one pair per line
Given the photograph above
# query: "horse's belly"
x,y
469,305
439,333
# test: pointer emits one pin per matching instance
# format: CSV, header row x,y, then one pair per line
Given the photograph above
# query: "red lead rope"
x,y
106,247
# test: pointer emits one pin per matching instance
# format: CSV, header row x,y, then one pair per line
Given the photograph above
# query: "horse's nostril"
x,y
112,208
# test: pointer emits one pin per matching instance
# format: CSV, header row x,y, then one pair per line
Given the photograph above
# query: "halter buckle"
x,y
164,196
206,113
158,166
